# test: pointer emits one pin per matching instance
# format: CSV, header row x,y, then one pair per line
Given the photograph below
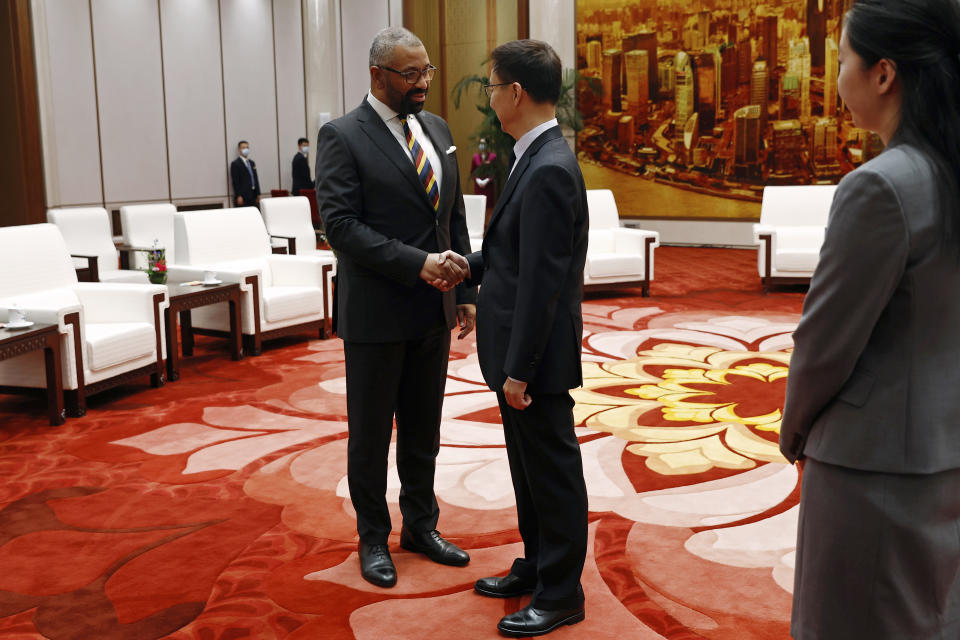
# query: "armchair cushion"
x,y
606,265
283,303
112,343
797,248
86,231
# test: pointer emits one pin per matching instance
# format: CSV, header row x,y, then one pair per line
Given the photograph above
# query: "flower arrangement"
x,y
157,264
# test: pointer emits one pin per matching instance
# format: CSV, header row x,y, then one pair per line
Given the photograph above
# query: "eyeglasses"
x,y
487,87
413,75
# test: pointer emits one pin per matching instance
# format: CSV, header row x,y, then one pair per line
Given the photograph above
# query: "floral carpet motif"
x,y
218,507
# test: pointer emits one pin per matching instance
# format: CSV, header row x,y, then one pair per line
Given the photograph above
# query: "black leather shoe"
x,y
509,586
376,565
434,547
535,622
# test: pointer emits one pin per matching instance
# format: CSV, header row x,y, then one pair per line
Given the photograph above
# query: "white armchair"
x,y
792,223
616,256
281,294
476,208
110,332
86,231
142,224
288,220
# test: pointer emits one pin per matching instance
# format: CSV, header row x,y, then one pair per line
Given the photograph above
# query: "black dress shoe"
x,y
535,622
434,547
376,565
509,586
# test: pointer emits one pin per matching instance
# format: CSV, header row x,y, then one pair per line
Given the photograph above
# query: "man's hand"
x,y
239,201
443,271
466,316
459,260
516,394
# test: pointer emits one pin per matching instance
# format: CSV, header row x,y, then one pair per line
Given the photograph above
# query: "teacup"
x,y
209,277
15,315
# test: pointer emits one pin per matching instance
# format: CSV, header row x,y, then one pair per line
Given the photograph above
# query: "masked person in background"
x,y
243,175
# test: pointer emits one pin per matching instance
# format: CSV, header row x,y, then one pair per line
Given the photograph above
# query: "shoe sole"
x,y
501,594
574,619
411,548
379,583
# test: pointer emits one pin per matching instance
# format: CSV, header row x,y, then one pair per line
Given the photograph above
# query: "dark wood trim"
x,y
257,347
635,217
96,103
157,378
523,19
647,260
291,248
22,181
76,399
90,273
442,8
13,344
327,270
769,281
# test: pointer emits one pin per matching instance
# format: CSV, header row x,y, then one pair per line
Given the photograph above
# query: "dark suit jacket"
x,y
242,186
379,221
529,323
875,371
301,174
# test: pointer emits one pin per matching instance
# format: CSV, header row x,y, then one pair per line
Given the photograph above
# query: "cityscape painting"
x,y
690,107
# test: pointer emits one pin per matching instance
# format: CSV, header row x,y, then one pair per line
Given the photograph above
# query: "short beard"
x,y
408,106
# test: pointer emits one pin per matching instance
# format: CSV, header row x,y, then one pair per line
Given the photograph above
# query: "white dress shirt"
x,y
527,139
392,120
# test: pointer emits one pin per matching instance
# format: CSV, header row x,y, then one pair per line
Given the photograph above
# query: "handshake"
x,y
445,270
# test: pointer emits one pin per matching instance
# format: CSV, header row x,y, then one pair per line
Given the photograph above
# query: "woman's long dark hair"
x,y
922,38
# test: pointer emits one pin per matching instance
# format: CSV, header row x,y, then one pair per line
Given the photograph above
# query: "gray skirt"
x,y
878,555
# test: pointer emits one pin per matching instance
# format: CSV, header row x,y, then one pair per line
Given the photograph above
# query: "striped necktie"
x,y
422,164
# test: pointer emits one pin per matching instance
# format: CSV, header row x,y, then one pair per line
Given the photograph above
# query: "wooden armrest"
x,y
90,273
291,243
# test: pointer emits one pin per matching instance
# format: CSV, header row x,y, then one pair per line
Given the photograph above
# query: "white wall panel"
x,y
130,89
554,21
249,85
291,108
190,31
69,105
361,20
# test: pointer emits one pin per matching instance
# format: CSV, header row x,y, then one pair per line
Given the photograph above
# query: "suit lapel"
x,y
524,162
380,135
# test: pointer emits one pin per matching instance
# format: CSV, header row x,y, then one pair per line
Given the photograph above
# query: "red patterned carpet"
x,y
216,507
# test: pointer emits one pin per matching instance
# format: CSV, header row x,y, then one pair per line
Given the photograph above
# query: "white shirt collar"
x,y
385,112
527,139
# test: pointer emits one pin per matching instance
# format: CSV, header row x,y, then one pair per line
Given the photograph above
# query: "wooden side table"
x,y
14,343
185,297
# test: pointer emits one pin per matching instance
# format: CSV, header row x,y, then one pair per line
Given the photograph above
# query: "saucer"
x,y
210,283
18,325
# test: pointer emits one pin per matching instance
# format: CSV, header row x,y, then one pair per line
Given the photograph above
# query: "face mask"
x,y
304,149
245,152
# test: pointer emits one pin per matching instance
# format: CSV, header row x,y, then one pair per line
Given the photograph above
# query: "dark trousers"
x,y
406,380
547,474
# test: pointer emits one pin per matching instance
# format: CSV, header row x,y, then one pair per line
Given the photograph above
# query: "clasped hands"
x,y
445,270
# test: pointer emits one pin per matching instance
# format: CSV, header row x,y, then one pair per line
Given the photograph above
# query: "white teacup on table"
x,y
210,277
16,318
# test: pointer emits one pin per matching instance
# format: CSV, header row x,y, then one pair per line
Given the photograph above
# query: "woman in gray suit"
x,y
873,396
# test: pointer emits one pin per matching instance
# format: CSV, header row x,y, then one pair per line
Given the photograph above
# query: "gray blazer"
x,y
874,379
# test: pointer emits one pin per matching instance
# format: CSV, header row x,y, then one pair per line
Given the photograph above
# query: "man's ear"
x,y
376,77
